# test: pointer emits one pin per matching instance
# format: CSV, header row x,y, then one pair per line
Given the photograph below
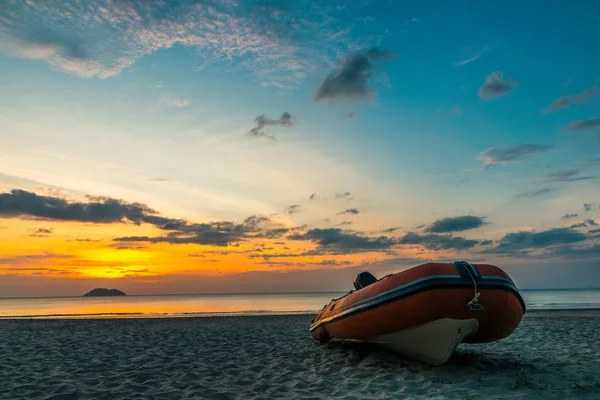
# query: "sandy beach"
x,y
552,355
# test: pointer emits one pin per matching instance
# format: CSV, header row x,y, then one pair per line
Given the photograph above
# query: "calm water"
x,y
235,304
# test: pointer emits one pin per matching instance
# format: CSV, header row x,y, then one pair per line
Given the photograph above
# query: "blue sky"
x,y
421,111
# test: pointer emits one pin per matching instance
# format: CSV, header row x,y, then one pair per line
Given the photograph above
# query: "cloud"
x,y
506,154
344,240
281,47
313,196
584,224
438,242
475,57
59,50
21,203
342,195
131,248
575,252
569,216
41,232
216,233
345,223
579,225
567,175
173,101
579,98
213,233
592,161
456,224
351,80
30,258
353,211
351,114
104,210
583,125
516,242
254,221
159,179
258,131
495,85
293,209
538,192
587,207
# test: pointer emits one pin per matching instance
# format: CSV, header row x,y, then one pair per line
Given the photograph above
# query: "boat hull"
x,y
422,295
433,342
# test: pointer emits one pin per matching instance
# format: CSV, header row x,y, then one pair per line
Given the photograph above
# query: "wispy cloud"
x,y
438,242
351,114
475,57
495,85
569,216
21,203
262,36
351,80
105,210
30,258
583,125
352,211
514,243
41,232
173,101
293,209
584,224
579,98
538,192
262,120
506,154
342,195
456,224
567,175
344,240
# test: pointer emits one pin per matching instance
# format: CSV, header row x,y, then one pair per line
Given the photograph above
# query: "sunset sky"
x,y
270,146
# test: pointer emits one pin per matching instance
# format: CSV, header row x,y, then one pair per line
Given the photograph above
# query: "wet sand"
x,y
552,355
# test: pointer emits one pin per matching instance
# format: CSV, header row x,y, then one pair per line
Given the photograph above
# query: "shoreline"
x,y
255,313
263,293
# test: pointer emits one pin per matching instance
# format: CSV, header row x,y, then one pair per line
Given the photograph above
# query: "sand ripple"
x,y
552,355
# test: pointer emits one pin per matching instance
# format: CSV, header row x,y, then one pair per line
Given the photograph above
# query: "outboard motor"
x,y
364,279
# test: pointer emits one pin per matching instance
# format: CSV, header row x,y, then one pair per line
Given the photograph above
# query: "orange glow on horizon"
x,y
85,250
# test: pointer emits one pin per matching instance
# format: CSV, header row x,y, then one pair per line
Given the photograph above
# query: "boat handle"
x,y
476,307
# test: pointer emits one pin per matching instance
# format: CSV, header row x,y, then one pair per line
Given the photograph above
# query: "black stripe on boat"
x,y
474,270
419,286
464,268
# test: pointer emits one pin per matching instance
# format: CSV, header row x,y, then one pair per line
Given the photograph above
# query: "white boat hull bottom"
x,y
433,342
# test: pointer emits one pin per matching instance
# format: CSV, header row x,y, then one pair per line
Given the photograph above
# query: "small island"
x,y
104,292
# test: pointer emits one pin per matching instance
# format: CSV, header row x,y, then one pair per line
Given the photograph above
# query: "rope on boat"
x,y
474,303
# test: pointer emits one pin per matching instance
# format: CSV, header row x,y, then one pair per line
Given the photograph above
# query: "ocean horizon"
x,y
207,305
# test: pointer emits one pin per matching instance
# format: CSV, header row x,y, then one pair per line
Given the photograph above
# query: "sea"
x,y
238,304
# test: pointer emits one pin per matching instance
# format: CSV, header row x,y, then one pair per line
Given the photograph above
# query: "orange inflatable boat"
x,y
425,312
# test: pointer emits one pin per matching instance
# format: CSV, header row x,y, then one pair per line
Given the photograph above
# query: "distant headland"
x,y
104,292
